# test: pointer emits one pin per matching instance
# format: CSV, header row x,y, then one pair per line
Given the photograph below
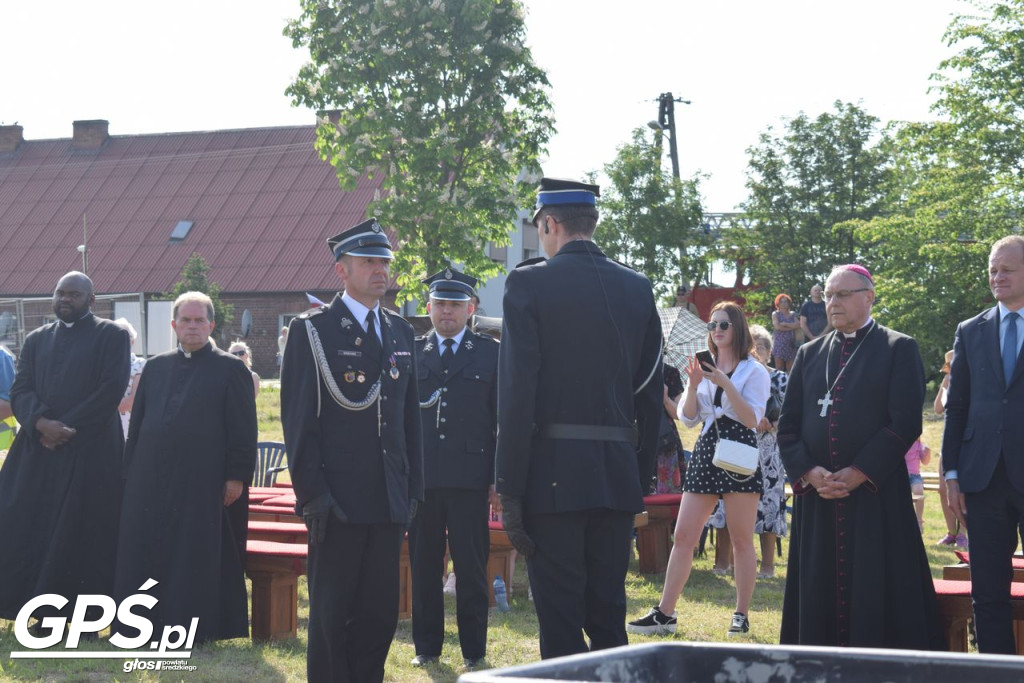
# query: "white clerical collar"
x,y
71,324
188,354
359,310
457,339
851,335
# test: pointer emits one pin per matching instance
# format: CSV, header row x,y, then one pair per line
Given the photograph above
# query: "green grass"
x,y
704,613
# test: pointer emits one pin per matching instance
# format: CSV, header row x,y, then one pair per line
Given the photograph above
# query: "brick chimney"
x,y
10,138
90,135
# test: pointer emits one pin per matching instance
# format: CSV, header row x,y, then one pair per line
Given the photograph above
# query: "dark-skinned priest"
x,y
191,448
858,575
60,487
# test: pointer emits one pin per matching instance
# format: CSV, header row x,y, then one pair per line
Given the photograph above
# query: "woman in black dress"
x,y
730,399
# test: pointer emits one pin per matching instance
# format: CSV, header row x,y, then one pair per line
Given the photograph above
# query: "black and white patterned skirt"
x,y
702,476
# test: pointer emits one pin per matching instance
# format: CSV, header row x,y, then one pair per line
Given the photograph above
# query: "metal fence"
x,y
18,317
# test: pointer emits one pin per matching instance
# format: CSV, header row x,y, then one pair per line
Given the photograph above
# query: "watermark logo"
x,y
174,643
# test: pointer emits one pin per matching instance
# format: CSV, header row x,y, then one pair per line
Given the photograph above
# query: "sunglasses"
x,y
724,325
238,353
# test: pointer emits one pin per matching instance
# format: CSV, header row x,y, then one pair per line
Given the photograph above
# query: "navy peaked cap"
x,y
365,239
451,285
563,192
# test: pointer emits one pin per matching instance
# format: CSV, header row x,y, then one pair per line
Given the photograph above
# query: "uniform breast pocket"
x,y
347,370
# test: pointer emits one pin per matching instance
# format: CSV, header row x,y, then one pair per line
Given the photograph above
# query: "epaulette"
x,y
531,261
393,314
481,336
305,315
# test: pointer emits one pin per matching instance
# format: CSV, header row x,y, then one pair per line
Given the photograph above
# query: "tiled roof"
x,y
262,202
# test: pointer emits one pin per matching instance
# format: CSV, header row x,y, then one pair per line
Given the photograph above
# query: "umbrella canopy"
x,y
685,334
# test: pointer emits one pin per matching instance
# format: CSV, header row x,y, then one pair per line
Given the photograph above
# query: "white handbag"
x,y
735,457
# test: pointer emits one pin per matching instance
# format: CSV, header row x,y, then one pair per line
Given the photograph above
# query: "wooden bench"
x,y
962,571
955,610
279,532
654,540
274,569
272,513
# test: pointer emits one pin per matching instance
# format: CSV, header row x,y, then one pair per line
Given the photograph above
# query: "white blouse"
x,y
754,384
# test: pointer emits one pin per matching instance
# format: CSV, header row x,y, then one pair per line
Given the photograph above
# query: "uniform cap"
x,y
365,239
451,285
563,192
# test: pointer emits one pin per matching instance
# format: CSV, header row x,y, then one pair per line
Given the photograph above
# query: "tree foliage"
x,y
804,184
195,277
652,220
956,184
442,101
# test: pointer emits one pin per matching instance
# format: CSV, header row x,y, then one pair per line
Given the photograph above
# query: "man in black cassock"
x,y
60,488
191,448
858,574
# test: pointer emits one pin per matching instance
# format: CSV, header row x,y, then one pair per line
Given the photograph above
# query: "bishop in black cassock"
x,y
60,487
857,574
193,431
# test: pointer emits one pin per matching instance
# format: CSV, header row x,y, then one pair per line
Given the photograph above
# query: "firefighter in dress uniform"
x,y
351,418
458,384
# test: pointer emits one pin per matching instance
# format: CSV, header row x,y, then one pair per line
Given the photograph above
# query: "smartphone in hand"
x,y
705,359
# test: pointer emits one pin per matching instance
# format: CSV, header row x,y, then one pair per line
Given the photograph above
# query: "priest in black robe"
x,y
191,448
857,574
60,487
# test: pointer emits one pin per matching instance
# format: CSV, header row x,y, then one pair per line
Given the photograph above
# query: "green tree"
x,y
982,86
652,220
929,251
804,184
956,184
442,101
195,277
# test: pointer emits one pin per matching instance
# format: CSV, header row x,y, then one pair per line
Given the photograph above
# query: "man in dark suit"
x,y
351,417
458,384
983,442
579,380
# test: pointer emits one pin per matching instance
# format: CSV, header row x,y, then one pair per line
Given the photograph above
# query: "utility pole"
x,y
667,122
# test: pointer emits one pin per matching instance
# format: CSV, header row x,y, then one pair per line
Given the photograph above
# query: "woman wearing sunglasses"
x,y
241,349
729,397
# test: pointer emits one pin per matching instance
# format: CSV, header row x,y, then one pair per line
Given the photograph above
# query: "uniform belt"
x,y
589,432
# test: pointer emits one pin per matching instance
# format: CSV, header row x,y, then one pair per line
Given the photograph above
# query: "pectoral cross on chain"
x,y
825,402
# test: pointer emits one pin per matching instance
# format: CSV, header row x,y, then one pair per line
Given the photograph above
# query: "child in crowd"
x,y
918,455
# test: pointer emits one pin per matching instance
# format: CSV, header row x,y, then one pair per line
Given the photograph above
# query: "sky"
x,y
744,65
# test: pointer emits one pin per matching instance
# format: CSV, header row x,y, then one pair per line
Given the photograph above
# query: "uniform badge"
x,y
394,373
375,226
346,323
350,377
358,341
468,343
394,367
447,273
361,378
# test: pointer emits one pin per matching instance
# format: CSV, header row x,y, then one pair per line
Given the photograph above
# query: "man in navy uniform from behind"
x,y
458,384
579,387
351,417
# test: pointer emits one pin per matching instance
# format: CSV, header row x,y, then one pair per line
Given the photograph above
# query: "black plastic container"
x,y
722,663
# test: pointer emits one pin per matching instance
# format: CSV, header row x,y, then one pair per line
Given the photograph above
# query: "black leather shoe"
x,y
474,664
423,660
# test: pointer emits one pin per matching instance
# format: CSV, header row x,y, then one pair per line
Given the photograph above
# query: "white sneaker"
x,y
449,585
655,623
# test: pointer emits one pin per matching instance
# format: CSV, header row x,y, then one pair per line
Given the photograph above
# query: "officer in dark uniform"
x,y
351,417
579,410
458,383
